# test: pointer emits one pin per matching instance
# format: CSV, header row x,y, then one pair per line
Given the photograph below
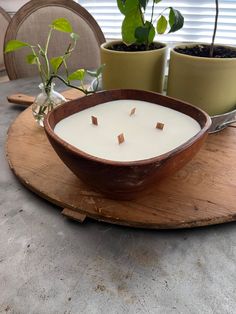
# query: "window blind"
x,y
198,26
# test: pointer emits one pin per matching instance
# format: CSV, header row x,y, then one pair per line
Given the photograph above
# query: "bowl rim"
x,y
160,158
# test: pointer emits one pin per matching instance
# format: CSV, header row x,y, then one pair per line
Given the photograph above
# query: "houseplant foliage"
x,y
137,61
136,28
48,68
204,74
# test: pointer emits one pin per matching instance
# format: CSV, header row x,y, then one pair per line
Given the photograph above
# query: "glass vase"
x,y
45,102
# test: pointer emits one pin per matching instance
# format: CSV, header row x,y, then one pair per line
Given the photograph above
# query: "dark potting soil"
x,y
135,47
204,51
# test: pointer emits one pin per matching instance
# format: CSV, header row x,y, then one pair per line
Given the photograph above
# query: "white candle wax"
x,y
142,139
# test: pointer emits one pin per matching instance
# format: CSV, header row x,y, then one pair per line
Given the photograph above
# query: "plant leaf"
x,y
157,1
78,75
130,23
151,34
121,6
145,34
14,44
131,5
127,6
141,34
31,58
143,4
161,25
92,73
176,20
100,69
97,72
74,36
56,62
62,25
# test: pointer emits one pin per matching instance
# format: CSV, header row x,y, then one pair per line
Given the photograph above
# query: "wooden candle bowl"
x,y
124,180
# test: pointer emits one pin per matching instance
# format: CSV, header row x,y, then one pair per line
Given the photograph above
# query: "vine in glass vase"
x,y
48,69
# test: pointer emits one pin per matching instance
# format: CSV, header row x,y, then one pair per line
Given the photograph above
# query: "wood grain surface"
x,y
26,100
202,193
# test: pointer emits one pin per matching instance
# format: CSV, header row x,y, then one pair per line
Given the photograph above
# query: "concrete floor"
x,y
49,264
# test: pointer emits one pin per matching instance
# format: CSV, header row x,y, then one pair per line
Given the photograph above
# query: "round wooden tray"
x,y
202,193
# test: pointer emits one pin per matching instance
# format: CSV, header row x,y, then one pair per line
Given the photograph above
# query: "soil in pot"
x,y
204,51
135,47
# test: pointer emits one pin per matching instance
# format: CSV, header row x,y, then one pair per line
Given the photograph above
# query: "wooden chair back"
x,y
30,24
4,21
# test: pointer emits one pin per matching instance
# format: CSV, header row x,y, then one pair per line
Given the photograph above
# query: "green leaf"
x,y
14,44
145,34
141,34
127,6
131,5
56,62
100,69
129,25
74,36
78,75
176,20
151,34
157,1
162,25
97,72
92,73
62,25
121,6
31,58
143,4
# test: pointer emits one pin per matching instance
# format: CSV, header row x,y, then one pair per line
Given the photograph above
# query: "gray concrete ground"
x,y
49,264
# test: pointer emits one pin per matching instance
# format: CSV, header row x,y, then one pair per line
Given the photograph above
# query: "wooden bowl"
x,y
124,180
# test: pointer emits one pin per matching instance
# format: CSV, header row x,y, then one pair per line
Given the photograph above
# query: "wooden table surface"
x,y
201,193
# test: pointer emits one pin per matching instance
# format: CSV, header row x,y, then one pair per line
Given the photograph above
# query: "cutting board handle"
x,y
21,99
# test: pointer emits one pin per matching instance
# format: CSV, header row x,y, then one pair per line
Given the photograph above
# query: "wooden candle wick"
x,y
121,138
132,112
160,125
94,120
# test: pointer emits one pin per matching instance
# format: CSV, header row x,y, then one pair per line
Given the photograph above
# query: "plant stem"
x,y
66,55
38,64
48,39
215,28
66,68
153,3
45,53
85,91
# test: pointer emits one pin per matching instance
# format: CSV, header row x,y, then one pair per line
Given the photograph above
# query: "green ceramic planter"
x,y
136,70
209,83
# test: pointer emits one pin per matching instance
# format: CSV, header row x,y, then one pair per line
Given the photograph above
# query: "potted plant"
x,y
204,74
137,61
48,69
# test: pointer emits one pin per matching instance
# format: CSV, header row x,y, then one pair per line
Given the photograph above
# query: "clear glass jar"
x,y
45,102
